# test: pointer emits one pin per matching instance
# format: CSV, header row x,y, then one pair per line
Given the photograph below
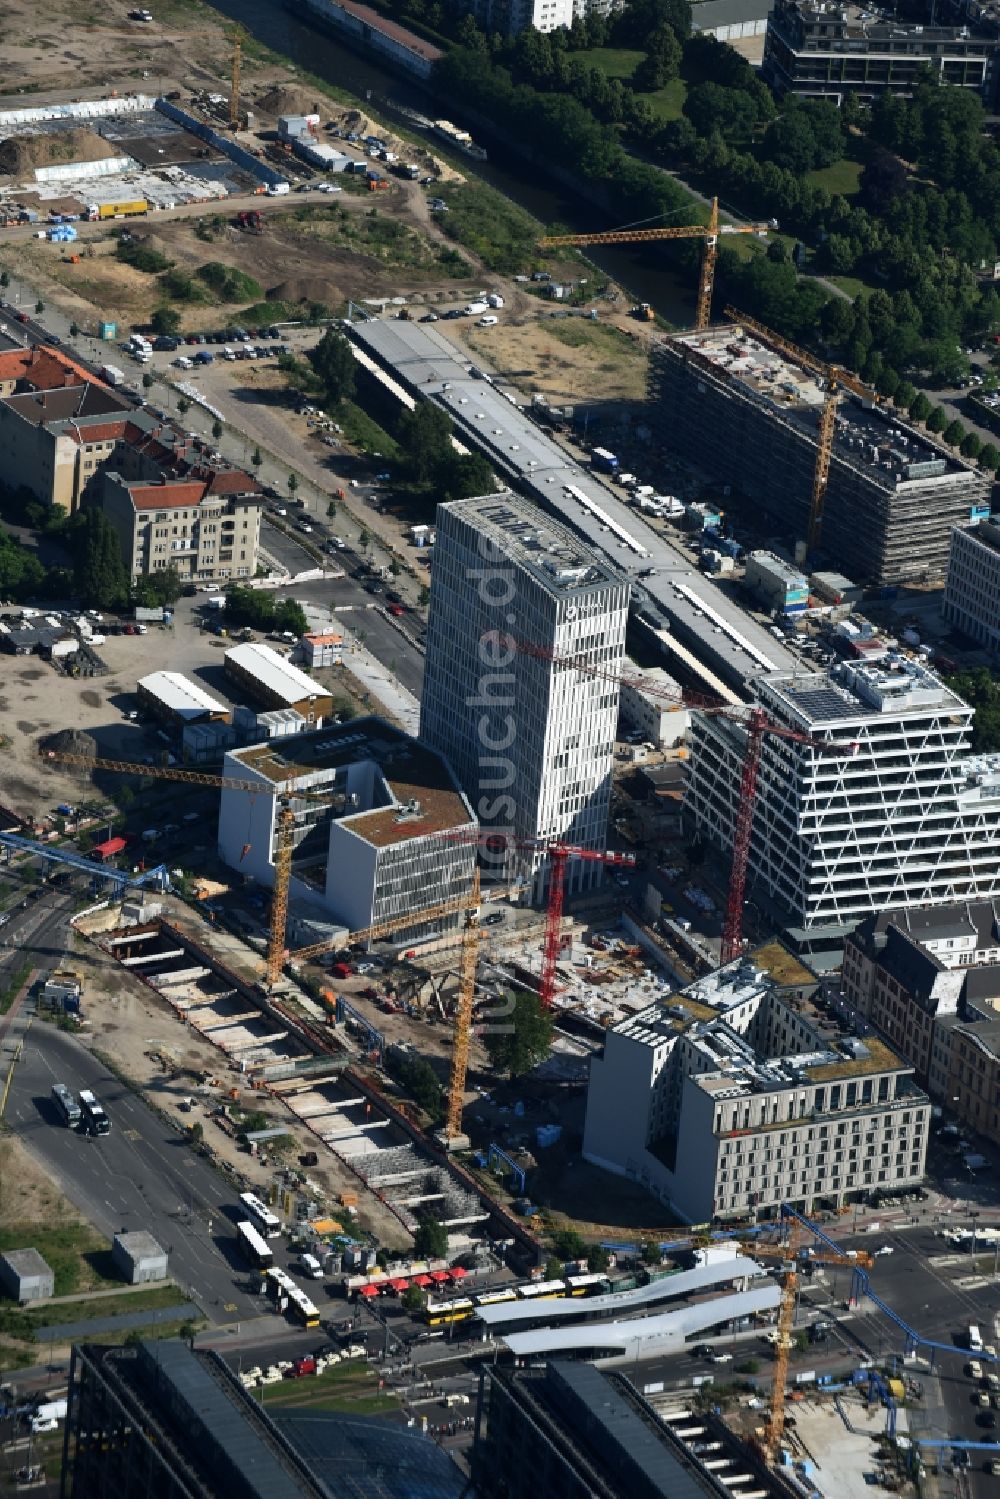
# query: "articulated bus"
x,y
263,1220
280,1284
588,1285
543,1290
254,1249
441,1313
92,1117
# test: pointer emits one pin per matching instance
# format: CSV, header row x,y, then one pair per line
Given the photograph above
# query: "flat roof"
x,y
667,587
25,1262
552,553
425,798
857,692
274,673
140,1245
885,447
180,695
662,1333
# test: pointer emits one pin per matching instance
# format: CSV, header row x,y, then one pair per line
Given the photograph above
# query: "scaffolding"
x,y
892,497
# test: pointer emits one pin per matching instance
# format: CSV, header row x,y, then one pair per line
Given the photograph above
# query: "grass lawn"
x,y
347,1387
621,62
77,1255
853,285
152,1300
841,178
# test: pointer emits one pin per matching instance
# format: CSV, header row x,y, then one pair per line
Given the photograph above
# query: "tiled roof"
x,y
165,496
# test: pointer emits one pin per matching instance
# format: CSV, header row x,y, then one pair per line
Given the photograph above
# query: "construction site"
x,y
891,496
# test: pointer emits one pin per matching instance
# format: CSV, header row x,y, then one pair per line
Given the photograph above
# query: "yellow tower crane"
x,y
836,378
708,232
788,1254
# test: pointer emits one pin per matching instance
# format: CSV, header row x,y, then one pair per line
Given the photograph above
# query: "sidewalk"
x,y
393,696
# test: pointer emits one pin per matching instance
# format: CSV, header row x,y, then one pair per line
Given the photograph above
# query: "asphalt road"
x,y
140,1176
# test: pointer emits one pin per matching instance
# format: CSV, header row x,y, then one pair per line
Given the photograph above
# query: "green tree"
x,y
293,485
147,381
954,433
334,365
165,320
904,396
553,1268
256,458
651,1253
39,306
216,429
937,420
161,588
394,568
425,439
424,596
989,456
920,407
568,1244
183,405
364,540
331,510
74,330
430,1242
21,573
4,279
99,576
971,446
598,1259
413,1299
522,1038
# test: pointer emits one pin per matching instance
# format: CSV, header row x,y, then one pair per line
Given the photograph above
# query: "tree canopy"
x,y
981,690
100,579
430,1241
520,1039
334,365
262,611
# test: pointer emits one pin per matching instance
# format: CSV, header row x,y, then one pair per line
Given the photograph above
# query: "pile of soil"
x,y
67,742
21,154
287,99
306,289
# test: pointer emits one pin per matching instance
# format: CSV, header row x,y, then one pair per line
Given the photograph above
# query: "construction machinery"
x,y
709,233
251,221
837,379
752,720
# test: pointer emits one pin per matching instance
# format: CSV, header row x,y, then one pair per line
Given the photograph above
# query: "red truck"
x,y
341,970
304,1365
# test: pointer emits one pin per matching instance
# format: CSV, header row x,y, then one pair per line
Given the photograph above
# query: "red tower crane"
x,y
559,855
756,723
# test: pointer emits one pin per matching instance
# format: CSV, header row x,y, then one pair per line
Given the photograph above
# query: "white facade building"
x,y
902,816
735,1096
370,842
530,738
972,590
651,712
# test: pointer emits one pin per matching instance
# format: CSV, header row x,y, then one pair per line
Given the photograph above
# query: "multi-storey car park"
x,y
893,496
706,633
737,1095
904,815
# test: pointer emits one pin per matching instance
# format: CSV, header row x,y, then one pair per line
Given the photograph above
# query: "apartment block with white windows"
x,y
206,528
516,600
737,1095
900,814
972,588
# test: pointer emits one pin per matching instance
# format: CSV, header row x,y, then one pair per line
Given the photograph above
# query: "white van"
x,y
311,1266
487,322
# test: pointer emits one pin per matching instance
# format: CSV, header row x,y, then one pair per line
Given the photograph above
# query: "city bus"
x,y
281,1286
588,1285
263,1220
254,1249
92,1116
975,1339
543,1290
495,1298
66,1105
443,1313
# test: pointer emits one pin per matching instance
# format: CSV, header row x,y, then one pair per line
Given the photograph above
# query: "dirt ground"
x,y
566,359
26,1193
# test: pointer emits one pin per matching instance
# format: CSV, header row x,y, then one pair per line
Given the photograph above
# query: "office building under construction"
x,y
893,495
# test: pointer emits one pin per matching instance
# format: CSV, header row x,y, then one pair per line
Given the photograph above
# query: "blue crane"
x,y
120,881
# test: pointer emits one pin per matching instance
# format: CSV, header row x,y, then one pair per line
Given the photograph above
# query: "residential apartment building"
x,y
737,1095
509,17
382,829
894,495
208,528
898,813
530,735
972,587
822,50
929,980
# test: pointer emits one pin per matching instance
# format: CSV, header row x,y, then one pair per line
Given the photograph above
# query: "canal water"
x,y
319,52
